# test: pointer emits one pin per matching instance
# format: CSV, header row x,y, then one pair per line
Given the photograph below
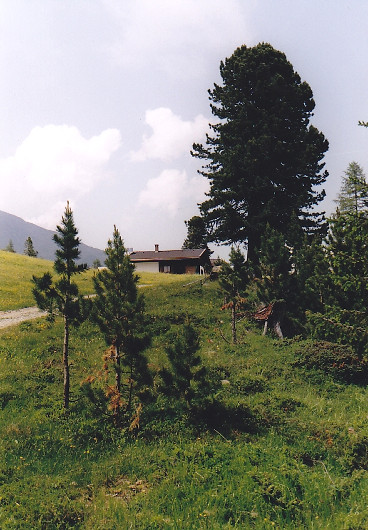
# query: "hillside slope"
x,y
16,272
276,443
16,229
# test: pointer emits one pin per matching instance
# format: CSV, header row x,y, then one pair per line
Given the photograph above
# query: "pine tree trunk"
x,y
117,369
117,418
233,321
130,386
66,363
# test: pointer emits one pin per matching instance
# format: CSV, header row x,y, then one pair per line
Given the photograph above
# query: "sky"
x,y
101,101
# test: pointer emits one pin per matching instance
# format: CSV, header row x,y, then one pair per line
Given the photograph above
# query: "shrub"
x,y
342,327
338,360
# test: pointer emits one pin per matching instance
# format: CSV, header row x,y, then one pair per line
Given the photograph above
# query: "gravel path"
x,y
11,318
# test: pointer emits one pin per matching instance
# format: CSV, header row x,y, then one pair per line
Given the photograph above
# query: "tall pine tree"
x,y
264,159
61,295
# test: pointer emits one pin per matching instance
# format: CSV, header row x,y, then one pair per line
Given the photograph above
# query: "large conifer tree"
x,y
264,159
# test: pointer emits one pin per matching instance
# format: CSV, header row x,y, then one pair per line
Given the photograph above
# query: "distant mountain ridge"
x,y
16,229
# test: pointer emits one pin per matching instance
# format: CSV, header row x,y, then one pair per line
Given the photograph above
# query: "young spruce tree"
x,y
187,378
10,246
62,295
119,313
353,196
234,278
29,249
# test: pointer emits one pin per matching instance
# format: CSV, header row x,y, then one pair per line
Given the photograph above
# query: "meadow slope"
x,y
16,272
276,443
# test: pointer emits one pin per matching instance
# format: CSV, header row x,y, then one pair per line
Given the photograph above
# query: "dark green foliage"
x,y
340,279
120,314
187,378
276,281
312,274
340,361
264,158
67,242
197,233
234,276
342,327
29,249
61,295
347,253
296,275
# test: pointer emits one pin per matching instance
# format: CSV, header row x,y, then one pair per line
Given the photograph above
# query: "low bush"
x,y
338,360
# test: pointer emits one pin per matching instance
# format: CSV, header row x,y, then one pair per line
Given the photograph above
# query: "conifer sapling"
x,y
61,296
119,313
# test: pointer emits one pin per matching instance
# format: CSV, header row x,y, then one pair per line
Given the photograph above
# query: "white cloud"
x,y
52,164
171,136
171,189
146,28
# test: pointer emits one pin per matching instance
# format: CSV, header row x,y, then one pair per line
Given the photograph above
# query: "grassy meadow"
x,y
276,444
16,272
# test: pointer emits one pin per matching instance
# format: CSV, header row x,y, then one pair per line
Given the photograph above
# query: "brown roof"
x,y
163,255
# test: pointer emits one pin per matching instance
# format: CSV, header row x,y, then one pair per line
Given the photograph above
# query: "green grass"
x,y
15,276
279,446
16,272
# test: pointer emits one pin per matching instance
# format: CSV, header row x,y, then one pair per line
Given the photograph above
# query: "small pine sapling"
x,y
62,295
10,246
29,249
234,278
120,314
187,377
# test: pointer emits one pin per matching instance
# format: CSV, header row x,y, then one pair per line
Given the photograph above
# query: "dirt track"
x,y
11,318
